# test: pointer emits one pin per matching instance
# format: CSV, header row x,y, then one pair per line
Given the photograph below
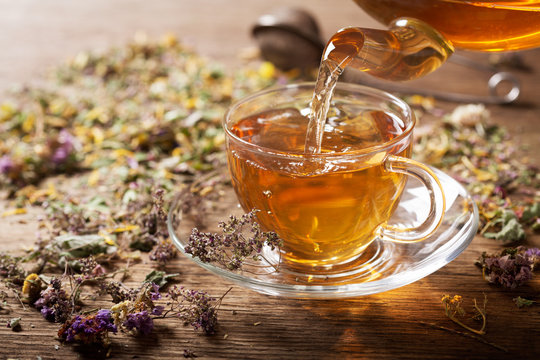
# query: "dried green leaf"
x,y
531,213
512,231
69,246
521,302
160,278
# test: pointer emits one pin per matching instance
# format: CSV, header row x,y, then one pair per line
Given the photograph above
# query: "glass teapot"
x,y
468,24
422,34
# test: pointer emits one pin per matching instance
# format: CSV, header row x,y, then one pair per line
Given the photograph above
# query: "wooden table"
x,y
393,325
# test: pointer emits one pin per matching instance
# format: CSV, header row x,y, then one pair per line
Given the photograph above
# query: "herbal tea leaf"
x,y
159,278
522,302
531,213
512,231
78,246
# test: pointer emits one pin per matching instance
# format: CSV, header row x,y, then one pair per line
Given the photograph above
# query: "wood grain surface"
x,y
406,323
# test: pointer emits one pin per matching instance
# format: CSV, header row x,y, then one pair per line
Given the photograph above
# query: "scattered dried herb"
x,y
510,229
134,123
510,268
454,310
241,238
485,160
189,354
522,302
90,329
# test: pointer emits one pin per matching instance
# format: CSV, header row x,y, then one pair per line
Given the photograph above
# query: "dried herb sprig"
x,y
522,302
193,307
136,309
241,239
454,310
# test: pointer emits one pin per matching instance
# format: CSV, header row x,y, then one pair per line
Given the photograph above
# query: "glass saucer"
x,y
381,267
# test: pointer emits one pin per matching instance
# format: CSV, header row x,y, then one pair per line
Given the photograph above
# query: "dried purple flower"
x,y
158,310
151,218
90,269
53,303
511,268
163,252
533,254
91,329
195,308
154,292
118,291
64,145
139,321
231,248
6,164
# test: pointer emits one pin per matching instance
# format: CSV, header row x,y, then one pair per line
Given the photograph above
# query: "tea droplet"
x,y
267,193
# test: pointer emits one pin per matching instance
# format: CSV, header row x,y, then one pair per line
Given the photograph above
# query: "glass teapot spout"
x,y
409,49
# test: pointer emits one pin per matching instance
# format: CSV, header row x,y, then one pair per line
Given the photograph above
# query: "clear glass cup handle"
x,y
436,195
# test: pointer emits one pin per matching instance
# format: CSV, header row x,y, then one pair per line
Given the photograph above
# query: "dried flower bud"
x,y
32,288
469,115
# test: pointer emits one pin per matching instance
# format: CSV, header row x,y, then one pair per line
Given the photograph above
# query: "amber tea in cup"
x,y
326,206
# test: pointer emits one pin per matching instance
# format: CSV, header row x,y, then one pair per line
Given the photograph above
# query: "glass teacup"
x,y
329,206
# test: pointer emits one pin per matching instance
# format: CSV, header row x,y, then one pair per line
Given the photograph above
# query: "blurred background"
x,y
35,35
